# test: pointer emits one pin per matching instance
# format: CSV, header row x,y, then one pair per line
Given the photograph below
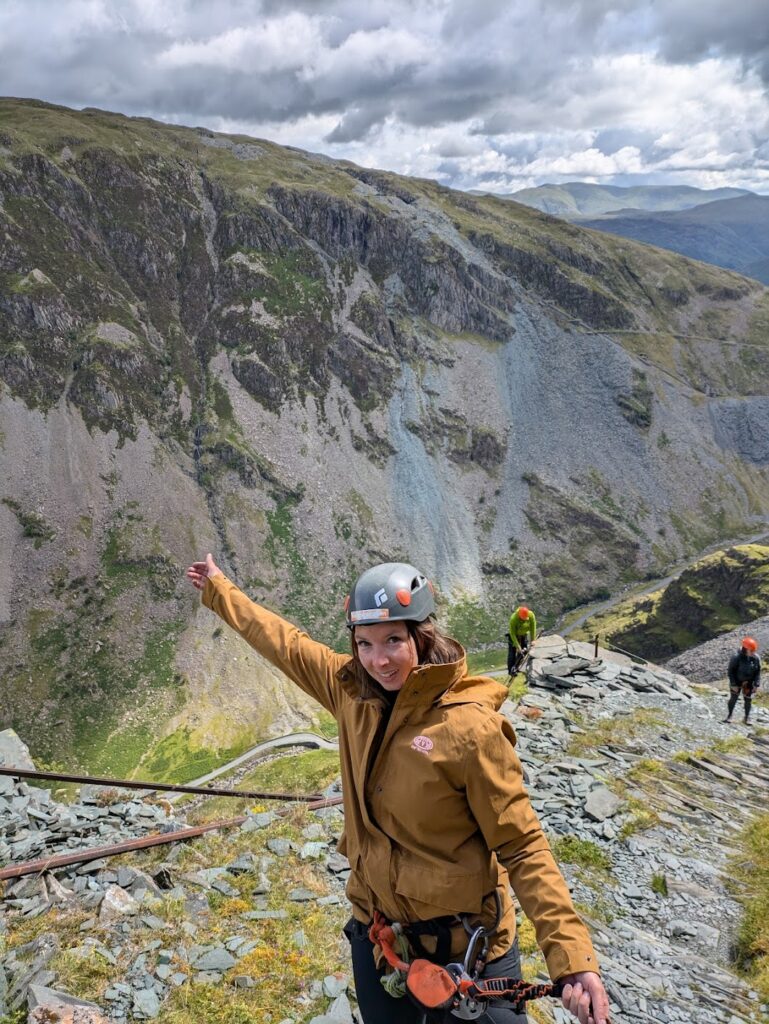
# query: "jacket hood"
x,y
476,690
450,684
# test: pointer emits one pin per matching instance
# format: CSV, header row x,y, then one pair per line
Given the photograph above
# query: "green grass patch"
x,y
648,768
487,661
733,745
600,909
659,884
178,758
642,817
306,773
582,852
518,687
327,725
749,878
472,624
296,773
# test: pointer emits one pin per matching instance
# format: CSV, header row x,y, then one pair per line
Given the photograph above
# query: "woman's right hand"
x,y
199,572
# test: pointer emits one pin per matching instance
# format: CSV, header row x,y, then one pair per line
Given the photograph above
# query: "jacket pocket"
x,y
432,893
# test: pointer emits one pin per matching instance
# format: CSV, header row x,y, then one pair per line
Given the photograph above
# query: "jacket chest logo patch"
x,y
422,743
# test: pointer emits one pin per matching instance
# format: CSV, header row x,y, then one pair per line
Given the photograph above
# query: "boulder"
x,y
601,803
13,752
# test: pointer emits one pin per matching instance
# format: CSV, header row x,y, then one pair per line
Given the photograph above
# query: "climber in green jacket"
x,y
523,631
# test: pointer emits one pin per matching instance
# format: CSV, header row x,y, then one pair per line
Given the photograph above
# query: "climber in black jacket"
x,y
744,676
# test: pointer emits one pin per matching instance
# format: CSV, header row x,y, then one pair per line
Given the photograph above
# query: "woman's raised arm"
x,y
311,665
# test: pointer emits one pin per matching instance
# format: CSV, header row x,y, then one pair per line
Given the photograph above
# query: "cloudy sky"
x,y
493,94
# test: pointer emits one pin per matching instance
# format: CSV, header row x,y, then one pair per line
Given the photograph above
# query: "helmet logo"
x,y
380,597
373,614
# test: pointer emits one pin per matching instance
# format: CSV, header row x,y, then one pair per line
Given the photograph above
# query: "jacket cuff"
x,y
563,961
212,588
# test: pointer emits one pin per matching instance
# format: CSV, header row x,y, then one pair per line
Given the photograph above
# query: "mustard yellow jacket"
x,y
438,818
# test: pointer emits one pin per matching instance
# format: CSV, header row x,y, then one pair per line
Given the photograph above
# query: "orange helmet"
x,y
523,612
749,644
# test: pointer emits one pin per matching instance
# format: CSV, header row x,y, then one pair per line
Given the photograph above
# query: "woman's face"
x,y
387,652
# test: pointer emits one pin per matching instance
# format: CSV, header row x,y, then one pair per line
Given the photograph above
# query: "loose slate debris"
x,y
660,954
33,824
562,666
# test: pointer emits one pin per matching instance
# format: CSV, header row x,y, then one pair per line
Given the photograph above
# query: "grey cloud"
x,y
521,69
356,124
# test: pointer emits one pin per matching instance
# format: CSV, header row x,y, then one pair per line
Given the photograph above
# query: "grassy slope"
x,y
711,597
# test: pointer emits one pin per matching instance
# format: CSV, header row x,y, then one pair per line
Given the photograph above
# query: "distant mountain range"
x,y
726,226
732,233
577,199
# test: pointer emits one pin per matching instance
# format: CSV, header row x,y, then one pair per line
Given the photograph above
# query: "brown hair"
x,y
433,648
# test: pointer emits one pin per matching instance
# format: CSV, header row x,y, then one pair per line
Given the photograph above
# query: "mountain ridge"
x,y
575,199
731,233
215,343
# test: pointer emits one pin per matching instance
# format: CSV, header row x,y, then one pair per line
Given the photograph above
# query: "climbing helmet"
x,y
387,592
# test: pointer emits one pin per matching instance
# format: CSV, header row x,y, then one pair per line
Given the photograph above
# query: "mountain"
x,y
213,343
712,597
576,199
732,233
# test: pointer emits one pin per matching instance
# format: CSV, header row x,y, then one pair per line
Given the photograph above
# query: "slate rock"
x,y
214,960
601,803
41,995
117,903
14,753
146,1004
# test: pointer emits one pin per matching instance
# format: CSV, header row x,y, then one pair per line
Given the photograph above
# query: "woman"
x,y
437,821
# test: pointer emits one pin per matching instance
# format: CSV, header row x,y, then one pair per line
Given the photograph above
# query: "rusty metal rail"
x,y
37,867
25,773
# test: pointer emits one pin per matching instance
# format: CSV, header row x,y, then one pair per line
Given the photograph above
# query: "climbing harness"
x,y
456,988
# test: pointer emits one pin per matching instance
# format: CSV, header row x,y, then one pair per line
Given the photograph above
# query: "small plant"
x,y
749,877
642,817
582,852
600,909
527,938
32,524
645,767
733,745
659,884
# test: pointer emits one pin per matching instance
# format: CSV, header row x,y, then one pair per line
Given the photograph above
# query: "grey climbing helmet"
x,y
393,590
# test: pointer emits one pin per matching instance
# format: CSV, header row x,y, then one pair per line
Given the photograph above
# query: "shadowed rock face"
x,y
306,367
741,426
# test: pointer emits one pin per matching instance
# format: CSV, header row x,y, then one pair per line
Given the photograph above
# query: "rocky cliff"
x,y
713,597
210,342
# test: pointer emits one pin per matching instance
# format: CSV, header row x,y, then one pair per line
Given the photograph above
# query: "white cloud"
x,y
509,92
270,46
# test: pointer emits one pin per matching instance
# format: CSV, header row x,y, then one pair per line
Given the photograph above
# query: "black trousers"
x,y
747,694
377,1007
515,655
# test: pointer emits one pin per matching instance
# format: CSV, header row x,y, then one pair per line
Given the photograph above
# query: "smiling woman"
x,y
438,825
